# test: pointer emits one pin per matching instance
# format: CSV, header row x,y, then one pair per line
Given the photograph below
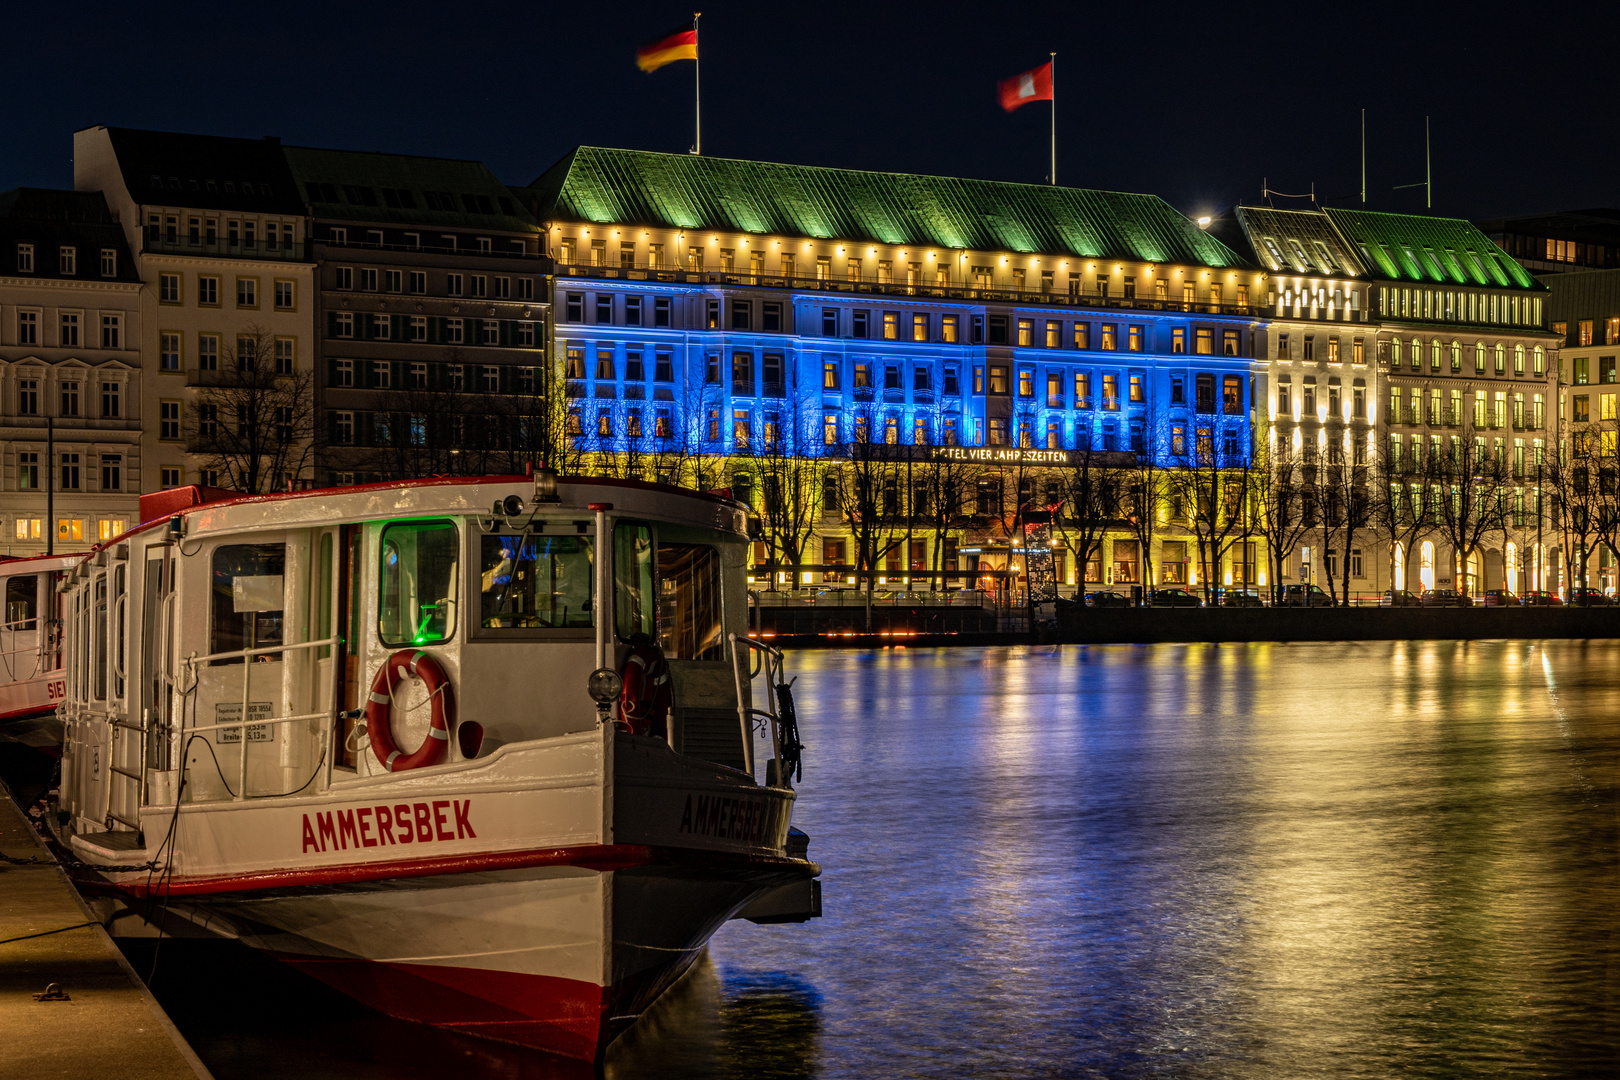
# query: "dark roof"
x,y
1600,225
211,172
1583,294
401,189
49,219
1419,248
686,191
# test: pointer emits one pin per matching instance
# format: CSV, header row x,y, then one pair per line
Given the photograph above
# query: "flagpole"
x,y
1054,119
697,69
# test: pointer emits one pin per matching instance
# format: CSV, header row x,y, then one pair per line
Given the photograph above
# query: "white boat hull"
x,y
487,921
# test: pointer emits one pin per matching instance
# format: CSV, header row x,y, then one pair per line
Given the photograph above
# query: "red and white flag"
x,y
1032,85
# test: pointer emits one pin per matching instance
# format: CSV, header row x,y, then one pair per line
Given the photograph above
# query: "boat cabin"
x,y
31,635
237,644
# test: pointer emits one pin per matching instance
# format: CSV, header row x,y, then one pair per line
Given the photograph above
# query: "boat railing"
x,y
193,663
744,650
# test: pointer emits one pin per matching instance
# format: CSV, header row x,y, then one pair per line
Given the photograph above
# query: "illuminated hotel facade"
x,y
707,310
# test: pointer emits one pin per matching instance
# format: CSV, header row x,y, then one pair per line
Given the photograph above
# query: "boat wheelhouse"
x,y
31,678
479,752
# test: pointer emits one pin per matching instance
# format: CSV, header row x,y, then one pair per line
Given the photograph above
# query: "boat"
x,y
31,679
482,753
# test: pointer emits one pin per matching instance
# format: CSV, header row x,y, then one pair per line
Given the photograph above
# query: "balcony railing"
x,y
872,286
222,247
432,249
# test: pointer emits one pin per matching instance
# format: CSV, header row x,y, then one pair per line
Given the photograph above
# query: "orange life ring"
x,y
380,710
645,700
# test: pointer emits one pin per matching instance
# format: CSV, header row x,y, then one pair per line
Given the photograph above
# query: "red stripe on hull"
x,y
602,858
567,1017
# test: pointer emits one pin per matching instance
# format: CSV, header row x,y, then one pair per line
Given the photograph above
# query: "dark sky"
x,y
1197,103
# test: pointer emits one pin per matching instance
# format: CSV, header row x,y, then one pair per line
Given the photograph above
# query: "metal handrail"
x,y
193,662
770,668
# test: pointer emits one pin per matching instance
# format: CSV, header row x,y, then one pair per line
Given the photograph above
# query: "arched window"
x,y
1400,566
1510,558
1479,358
1426,564
1456,357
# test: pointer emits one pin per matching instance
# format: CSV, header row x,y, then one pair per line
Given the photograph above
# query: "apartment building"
x,y
1583,309
71,377
228,309
432,312
1437,394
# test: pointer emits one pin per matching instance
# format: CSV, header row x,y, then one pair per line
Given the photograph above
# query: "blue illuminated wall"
x,y
731,360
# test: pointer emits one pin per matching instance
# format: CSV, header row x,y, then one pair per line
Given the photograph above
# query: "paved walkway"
x,y
111,1026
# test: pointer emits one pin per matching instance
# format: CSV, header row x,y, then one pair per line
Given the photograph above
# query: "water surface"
x,y
1318,860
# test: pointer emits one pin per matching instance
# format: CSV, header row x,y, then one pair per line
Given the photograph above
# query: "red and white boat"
x,y
31,679
498,767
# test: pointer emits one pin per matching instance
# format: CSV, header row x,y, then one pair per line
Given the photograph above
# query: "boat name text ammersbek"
x,y
416,823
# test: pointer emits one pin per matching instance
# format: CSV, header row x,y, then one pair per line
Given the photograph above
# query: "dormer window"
x,y
68,260
25,258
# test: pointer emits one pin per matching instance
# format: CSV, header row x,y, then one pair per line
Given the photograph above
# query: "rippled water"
x,y
1335,860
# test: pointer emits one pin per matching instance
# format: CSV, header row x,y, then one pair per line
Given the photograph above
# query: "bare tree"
x,y
1279,497
1580,506
1092,486
939,497
1400,507
1470,506
1143,485
869,493
1342,492
253,425
1211,484
790,471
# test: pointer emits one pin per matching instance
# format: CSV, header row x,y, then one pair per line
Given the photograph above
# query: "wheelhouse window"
x,y
417,583
535,582
689,623
247,591
22,602
635,604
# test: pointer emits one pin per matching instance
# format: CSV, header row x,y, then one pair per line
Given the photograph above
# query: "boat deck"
x,y
111,1025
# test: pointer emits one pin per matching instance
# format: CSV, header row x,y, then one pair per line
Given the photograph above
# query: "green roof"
x,y
685,191
1415,247
400,189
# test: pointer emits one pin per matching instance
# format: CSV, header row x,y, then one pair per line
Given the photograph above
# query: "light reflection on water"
x,y
1341,860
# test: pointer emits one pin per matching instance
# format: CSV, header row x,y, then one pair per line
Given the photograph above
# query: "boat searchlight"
x,y
604,685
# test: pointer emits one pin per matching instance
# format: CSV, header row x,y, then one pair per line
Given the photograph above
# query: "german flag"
x,y
678,44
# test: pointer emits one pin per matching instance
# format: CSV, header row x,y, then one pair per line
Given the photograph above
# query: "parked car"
x,y
1445,598
1104,598
1304,596
1237,598
1498,598
1589,598
1540,598
1173,598
1398,598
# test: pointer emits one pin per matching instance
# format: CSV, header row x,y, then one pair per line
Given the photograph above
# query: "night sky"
x,y
1197,103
